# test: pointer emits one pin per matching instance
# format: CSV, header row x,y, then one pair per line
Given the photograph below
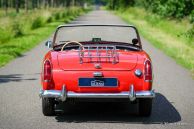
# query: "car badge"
x,y
97,66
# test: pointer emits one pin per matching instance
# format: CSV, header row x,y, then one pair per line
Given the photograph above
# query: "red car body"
x,y
66,72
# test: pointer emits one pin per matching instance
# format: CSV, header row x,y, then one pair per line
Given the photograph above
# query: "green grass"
x,y
15,47
30,31
171,36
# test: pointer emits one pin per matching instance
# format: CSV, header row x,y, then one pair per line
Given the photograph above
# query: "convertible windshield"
x,y
95,33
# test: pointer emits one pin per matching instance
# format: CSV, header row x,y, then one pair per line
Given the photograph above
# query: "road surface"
x,y
20,105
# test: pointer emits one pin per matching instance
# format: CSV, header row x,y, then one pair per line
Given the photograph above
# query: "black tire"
x,y
48,106
145,107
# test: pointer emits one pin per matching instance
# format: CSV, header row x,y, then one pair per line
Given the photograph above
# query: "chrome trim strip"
x,y
97,95
63,94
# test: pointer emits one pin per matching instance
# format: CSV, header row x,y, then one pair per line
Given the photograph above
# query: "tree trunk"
x,y
34,4
17,6
52,3
114,4
47,4
68,3
38,4
0,4
26,6
73,3
6,6
44,3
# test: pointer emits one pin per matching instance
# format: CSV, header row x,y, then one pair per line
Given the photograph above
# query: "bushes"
x,y
190,33
192,17
165,8
117,4
13,31
168,8
171,8
49,20
4,35
57,16
38,22
64,14
17,29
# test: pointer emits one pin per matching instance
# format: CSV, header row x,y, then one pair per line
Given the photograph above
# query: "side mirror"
x,y
135,41
48,44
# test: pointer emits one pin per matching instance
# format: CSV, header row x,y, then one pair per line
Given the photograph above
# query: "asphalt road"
x,y
20,105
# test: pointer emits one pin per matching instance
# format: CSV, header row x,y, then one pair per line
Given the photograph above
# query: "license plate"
x,y
98,82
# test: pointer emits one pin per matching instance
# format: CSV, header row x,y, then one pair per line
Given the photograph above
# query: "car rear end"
x,y
97,72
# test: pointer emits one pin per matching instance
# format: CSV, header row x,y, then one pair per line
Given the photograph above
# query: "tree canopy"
x,y
165,8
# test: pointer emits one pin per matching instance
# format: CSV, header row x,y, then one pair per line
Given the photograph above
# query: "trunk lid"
x,y
70,61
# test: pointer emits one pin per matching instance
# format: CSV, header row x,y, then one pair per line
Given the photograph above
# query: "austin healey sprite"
x,y
96,62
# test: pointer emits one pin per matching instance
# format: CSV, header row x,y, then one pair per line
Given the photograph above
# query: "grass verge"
x,y
175,38
26,32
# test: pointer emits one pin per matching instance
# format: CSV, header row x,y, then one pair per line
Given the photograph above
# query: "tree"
x,y
6,6
17,6
26,5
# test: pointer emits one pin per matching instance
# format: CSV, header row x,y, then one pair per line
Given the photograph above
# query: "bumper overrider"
x,y
63,94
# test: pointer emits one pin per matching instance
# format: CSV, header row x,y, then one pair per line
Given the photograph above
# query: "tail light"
x,y
148,71
47,71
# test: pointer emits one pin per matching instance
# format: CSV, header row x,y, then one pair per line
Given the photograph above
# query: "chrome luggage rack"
x,y
101,53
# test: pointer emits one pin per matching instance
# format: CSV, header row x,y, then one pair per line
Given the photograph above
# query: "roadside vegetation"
x,y
21,31
168,26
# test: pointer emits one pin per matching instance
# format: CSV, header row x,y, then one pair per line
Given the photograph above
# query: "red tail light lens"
x,y
148,71
47,71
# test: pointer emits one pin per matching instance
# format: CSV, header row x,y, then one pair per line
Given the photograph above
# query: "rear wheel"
x,y
48,106
145,107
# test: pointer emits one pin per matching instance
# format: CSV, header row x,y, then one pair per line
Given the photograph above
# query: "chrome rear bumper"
x,y
63,94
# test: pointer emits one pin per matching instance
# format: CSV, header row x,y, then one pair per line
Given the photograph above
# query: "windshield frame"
x,y
107,25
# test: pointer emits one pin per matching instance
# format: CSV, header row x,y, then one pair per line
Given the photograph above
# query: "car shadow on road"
x,y
163,112
14,78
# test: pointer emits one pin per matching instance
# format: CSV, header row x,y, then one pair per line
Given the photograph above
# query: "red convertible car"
x,y
96,63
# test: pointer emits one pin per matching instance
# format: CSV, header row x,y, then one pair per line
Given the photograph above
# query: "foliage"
x,y
38,22
49,20
116,4
170,8
165,8
64,14
190,33
192,17
57,16
28,5
17,29
4,35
